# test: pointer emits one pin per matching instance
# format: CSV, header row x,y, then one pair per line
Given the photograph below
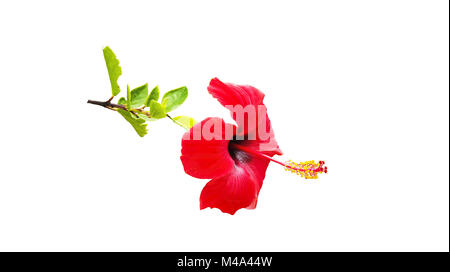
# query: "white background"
x,y
362,85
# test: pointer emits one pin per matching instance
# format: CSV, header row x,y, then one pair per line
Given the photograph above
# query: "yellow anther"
x,y
307,170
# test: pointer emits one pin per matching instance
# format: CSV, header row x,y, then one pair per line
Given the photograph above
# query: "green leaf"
x,y
138,124
184,121
122,101
156,110
138,96
114,69
128,97
154,95
164,104
175,98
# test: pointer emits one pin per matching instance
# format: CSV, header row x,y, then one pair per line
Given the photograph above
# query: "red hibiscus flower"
x,y
235,158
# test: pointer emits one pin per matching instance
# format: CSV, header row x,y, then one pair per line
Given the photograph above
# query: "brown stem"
x,y
107,104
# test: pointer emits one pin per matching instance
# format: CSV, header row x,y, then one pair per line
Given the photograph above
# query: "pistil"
x,y
307,170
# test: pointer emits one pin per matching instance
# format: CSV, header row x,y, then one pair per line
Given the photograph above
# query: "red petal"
x,y
238,189
247,96
269,146
204,157
232,94
240,98
230,193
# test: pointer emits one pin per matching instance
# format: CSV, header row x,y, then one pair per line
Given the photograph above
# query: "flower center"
x,y
238,155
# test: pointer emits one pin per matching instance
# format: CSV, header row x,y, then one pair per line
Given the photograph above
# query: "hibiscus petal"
x,y
239,188
267,146
231,192
241,100
204,151
256,166
265,139
253,122
232,94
